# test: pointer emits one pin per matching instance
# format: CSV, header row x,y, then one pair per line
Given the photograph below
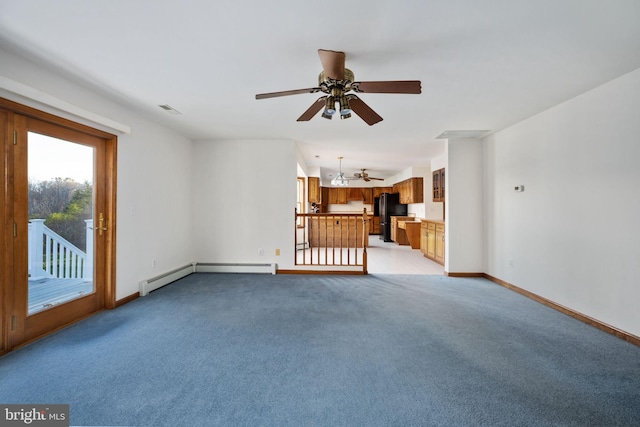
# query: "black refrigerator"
x,y
389,205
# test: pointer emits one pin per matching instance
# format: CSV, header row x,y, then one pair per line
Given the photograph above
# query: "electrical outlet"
x,y
153,263
512,263
277,252
261,252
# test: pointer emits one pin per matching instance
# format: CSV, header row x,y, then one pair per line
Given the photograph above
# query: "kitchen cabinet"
x,y
325,199
438,185
314,193
362,194
439,243
399,235
374,224
412,230
377,191
367,196
337,196
411,190
432,240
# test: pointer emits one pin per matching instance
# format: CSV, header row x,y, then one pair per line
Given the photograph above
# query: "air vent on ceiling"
x,y
169,109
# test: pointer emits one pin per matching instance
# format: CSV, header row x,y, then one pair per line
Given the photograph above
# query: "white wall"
x,y
154,204
244,200
154,186
464,208
419,210
573,235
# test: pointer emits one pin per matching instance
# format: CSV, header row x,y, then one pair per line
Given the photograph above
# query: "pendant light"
x,y
340,180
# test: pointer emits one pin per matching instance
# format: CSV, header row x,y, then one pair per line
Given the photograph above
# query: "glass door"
x,y
61,221
59,203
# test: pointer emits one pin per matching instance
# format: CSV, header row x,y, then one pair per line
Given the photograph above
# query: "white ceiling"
x,y
483,64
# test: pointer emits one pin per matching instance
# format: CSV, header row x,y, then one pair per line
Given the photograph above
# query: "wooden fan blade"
x,y
364,111
313,110
332,63
377,179
400,86
287,93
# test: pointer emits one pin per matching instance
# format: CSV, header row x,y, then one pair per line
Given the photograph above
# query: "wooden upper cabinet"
x,y
314,193
354,194
411,190
337,196
362,194
343,195
377,191
438,185
367,195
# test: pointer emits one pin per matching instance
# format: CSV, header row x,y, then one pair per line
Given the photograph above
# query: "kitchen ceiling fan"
x,y
365,176
336,82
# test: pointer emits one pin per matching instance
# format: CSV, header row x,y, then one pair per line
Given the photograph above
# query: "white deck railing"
x,y
52,256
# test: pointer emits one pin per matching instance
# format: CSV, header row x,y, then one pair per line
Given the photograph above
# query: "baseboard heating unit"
x,y
204,267
154,283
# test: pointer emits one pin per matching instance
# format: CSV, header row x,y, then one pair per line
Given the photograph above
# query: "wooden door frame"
x,y
8,111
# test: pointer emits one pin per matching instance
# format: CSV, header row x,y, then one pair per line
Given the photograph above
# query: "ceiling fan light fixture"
x,y
345,109
345,116
340,180
329,106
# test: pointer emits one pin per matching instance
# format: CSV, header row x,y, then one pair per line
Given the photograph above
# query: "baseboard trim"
x,y
216,267
126,300
329,272
449,274
569,312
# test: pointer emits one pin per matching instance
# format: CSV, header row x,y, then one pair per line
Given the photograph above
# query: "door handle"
x,y
102,224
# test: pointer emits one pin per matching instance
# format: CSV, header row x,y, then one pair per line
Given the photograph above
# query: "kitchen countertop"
x,y
436,221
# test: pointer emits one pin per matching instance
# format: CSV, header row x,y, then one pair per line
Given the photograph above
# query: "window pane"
x,y
60,221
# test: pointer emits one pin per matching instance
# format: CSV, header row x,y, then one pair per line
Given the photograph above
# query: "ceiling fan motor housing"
x,y
323,80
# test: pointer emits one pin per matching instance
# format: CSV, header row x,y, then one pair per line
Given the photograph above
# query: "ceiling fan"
x,y
336,82
365,176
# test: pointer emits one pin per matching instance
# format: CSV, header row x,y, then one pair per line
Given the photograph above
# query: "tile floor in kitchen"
x,y
391,258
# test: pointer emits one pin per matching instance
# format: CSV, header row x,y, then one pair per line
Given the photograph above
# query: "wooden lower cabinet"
x,y
432,240
412,231
399,235
337,232
374,225
439,243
